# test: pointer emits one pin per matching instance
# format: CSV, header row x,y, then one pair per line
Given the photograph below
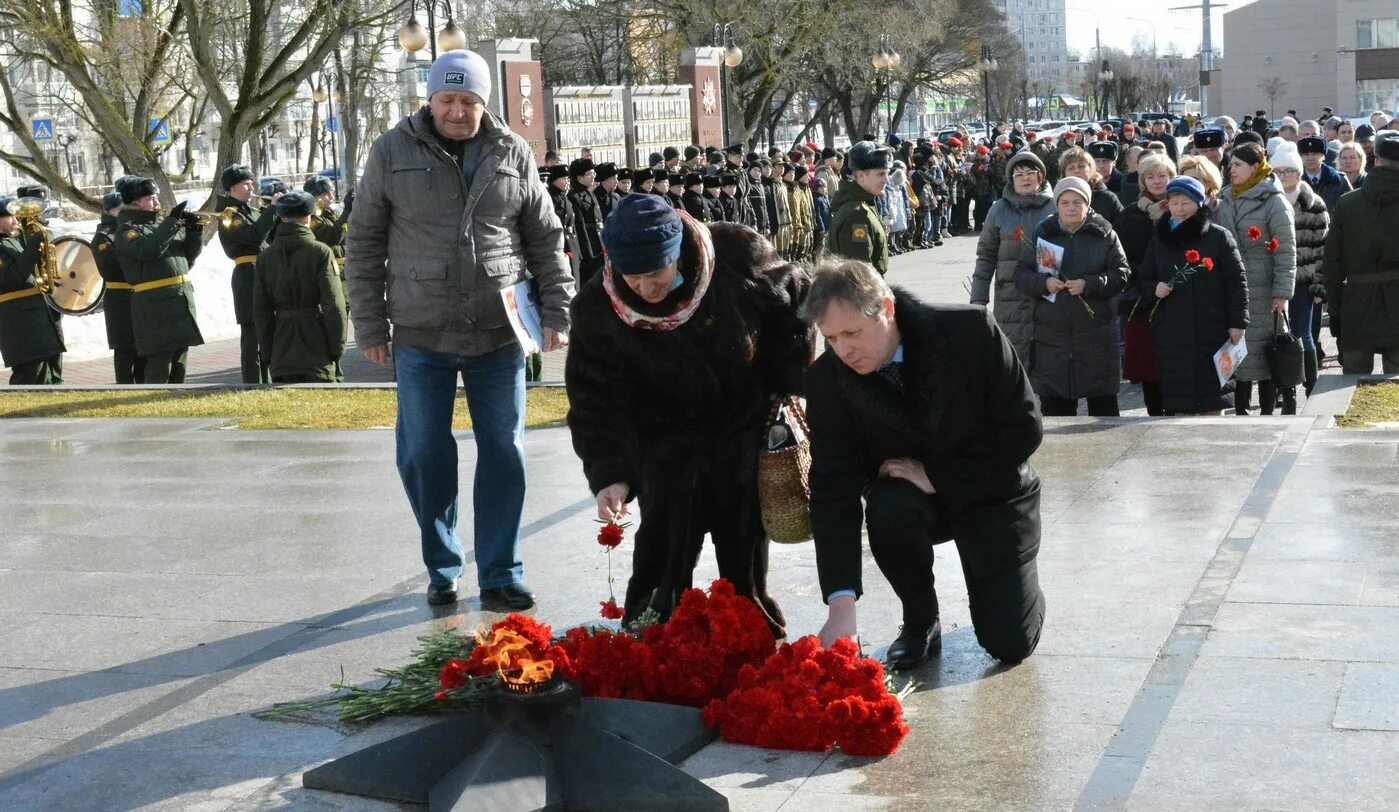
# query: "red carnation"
x,y
440,696
1273,245
1019,233
453,675
1255,233
610,535
1208,263
611,611
1192,256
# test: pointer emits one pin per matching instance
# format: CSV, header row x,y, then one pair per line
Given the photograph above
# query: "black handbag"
x,y
1284,355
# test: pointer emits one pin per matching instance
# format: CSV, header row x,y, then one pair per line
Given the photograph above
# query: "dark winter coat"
x,y
1330,184
1362,265
1114,183
29,328
1136,227
758,208
1310,218
299,307
966,413
821,208
606,200
1193,322
1010,221
330,229
587,222
715,209
1075,352
1271,274
668,411
695,206
1105,203
116,302
155,251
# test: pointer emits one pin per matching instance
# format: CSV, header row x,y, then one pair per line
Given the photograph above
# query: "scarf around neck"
x,y
1260,173
685,308
1153,208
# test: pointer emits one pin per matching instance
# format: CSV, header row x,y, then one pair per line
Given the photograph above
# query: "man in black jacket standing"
x,y
924,412
587,217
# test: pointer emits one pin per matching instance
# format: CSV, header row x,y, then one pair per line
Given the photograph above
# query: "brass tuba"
x,y
66,272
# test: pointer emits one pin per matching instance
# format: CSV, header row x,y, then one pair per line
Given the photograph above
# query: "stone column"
x,y
699,68
518,95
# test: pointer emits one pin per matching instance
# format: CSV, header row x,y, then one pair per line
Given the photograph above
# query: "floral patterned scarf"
x,y
685,308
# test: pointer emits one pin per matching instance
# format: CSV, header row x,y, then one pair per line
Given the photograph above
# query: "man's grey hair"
x,y
855,283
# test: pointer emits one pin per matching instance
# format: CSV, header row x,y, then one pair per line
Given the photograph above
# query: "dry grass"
x,y
260,408
1377,403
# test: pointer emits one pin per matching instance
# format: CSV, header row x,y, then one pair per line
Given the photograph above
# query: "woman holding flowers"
x,y
1192,277
677,349
1253,207
1075,258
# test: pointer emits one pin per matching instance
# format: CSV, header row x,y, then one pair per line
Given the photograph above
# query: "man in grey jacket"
x,y
449,214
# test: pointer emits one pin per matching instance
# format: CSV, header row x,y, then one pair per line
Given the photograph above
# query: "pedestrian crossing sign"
x,y
160,131
41,129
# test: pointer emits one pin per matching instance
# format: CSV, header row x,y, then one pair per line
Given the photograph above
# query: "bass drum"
x,y
78,287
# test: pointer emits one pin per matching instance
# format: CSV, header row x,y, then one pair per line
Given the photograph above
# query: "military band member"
x,y
116,302
298,301
156,254
857,230
242,240
327,227
31,338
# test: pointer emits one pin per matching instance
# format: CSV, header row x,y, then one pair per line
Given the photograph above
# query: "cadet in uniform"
x,y
624,176
327,227
713,207
116,302
242,240
857,232
298,301
155,258
31,339
606,189
1104,155
587,217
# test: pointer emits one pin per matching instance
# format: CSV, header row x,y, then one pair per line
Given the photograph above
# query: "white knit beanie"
x,y
1286,157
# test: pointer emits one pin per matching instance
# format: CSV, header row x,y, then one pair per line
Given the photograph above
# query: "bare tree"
x,y
1272,87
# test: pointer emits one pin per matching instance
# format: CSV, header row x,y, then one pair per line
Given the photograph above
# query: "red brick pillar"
x,y
699,68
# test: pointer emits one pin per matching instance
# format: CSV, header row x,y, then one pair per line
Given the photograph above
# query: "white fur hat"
x,y
1286,157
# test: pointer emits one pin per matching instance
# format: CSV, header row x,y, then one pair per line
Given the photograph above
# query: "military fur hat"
x,y
557,171
733,149
318,185
660,175
676,179
1311,145
712,182
868,155
1209,138
728,179
693,179
295,204
134,188
234,174
624,174
580,167
605,171
111,200
33,190
1107,150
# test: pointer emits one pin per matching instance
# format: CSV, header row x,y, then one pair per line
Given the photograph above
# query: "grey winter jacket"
x,y
1312,221
430,255
1010,222
1075,352
1271,274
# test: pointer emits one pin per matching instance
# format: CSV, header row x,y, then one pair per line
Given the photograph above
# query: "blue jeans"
x,y
427,457
1299,314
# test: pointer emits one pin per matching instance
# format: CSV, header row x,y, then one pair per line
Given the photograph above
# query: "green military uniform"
x,y
299,308
242,240
155,256
116,304
31,338
857,232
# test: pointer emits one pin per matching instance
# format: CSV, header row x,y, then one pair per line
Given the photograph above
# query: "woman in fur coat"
x,y
1311,221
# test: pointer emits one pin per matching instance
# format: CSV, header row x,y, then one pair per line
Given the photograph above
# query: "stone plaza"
x,y
1222,628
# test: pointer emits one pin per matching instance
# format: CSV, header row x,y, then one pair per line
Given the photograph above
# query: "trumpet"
x,y
224,217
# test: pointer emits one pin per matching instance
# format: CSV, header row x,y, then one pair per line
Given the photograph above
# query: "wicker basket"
x,y
784,482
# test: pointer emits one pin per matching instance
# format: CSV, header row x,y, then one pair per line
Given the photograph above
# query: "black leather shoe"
x,y
441,594
913,646
515,598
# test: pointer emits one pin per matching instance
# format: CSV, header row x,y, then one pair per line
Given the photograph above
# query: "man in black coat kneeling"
x,y
925,412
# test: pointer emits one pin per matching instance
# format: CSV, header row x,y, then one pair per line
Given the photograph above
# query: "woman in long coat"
x,y
1254,210
1192,318
1136,227
1075,352
1312,221
677,349
1025,201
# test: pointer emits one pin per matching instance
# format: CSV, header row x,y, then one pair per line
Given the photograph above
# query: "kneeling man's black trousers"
x,y
1007,607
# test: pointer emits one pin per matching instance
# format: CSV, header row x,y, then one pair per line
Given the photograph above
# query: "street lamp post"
x,y
321,95
987,65
885,62
412,38
733,57
1105,75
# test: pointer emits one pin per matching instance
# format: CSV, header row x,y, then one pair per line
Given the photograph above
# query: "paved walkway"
x,y
1222,630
